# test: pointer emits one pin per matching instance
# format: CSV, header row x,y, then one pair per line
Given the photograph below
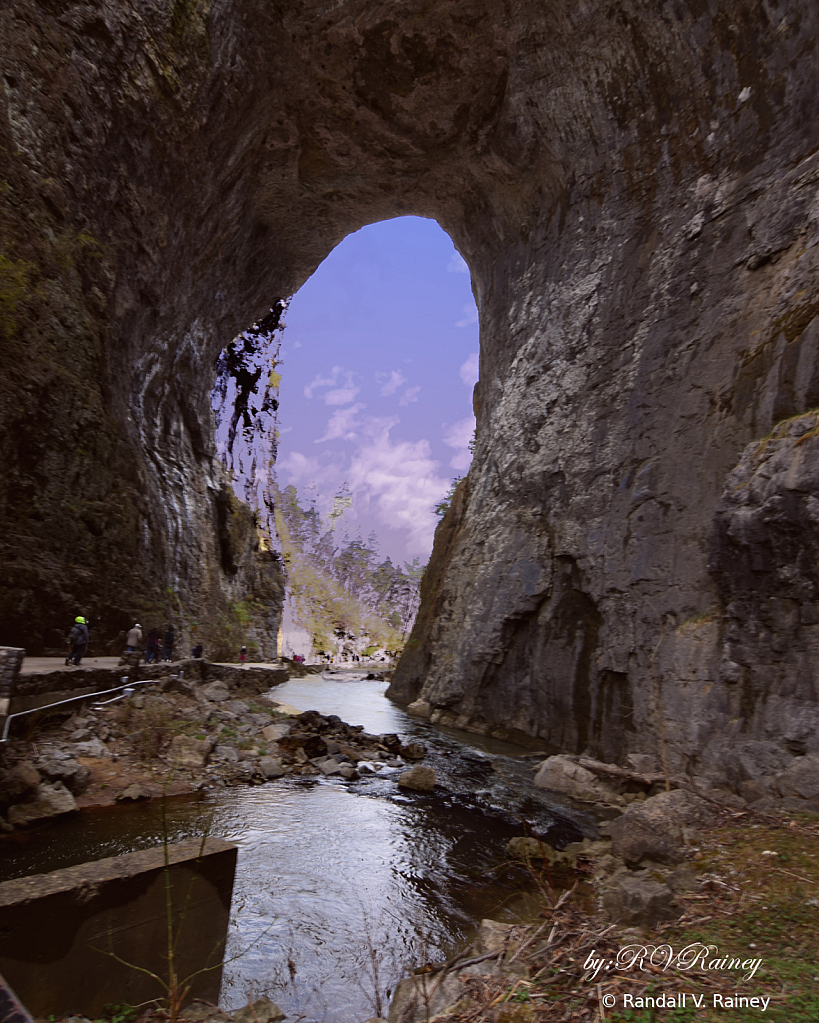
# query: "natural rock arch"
x,y
633,189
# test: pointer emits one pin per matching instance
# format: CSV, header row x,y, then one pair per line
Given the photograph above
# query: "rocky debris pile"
x,y
29,794
197,736
640,866
753,774
639,862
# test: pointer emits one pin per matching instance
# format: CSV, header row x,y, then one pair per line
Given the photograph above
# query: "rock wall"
x,y
634,188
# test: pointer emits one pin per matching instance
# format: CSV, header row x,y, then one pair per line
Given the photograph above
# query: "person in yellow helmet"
x,y
78,638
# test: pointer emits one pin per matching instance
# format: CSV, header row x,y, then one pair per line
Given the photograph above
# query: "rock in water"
x,y
134,793
413,751
419,709
261,1011
51,800
562,774
420,778
271,767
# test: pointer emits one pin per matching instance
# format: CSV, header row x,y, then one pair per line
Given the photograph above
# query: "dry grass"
x,y
747,903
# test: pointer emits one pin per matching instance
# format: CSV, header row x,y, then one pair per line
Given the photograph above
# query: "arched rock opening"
x,y
634,190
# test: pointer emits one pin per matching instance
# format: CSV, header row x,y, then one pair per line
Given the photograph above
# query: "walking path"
x,y
32,664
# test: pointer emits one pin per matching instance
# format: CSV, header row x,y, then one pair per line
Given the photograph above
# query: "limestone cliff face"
x,y
634,187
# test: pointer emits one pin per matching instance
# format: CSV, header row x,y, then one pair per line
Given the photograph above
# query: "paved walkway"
x,y
31,664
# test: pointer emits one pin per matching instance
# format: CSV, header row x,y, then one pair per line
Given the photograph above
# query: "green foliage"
x,y
338,588
443,506
118,1014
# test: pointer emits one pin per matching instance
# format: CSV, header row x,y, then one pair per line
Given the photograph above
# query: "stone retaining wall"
x,y
57,930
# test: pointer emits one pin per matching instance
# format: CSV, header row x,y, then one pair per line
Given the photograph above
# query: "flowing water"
x,y
341,887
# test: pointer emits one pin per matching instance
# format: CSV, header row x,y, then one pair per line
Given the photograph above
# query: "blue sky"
x,y
379,357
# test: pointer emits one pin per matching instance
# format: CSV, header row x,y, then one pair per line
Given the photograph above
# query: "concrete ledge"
x,y
57,929
39,688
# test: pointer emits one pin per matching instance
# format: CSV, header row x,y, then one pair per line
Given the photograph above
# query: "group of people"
x,y
154,647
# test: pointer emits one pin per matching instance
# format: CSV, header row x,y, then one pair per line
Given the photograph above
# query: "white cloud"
x,y
392,385
321,381
397,483
400,479
457,265
460,434
343,424
469,370
341,396
411,394
470,316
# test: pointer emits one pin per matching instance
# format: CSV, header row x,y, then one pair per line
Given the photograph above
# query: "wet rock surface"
x,y
176,735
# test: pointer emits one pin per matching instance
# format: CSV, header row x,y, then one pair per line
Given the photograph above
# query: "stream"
x,y
341,887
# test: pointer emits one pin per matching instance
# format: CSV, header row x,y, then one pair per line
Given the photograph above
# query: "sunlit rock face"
x,y
634,188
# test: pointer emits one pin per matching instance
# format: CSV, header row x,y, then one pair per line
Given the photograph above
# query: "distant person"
x,y
78,638
133,639
243,655
168,644
152,646
197,650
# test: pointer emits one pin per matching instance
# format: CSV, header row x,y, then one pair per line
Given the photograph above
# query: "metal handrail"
x,y
74,699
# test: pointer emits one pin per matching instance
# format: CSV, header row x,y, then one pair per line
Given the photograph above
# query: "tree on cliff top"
x,y
337,586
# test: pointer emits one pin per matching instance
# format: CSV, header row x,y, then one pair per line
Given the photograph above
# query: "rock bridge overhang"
x,y
633,189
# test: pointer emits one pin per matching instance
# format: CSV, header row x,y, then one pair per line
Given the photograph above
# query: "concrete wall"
x,y
57,930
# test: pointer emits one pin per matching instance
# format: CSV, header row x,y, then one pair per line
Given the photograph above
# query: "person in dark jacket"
x,y
152,646
167,649
78,638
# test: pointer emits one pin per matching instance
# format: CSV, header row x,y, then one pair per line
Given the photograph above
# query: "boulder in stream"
x,y
261,1011
271,767
562,774
134,793
420,778
420,709
413,750
51,800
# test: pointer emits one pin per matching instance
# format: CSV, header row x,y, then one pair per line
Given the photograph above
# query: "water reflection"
x,y
341,887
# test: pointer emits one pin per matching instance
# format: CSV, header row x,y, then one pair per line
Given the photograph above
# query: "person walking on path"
x,y
78,638
133,639
169,640
243,655
152,646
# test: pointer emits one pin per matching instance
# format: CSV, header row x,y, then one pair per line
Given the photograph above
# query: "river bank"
x,y
710,866
178,735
